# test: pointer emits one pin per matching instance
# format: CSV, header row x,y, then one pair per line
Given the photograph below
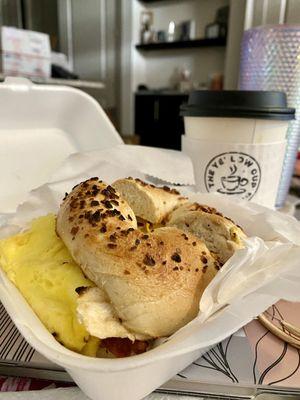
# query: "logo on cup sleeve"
x,y
233,173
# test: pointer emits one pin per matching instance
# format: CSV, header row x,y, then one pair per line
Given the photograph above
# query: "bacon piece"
x,y
123,347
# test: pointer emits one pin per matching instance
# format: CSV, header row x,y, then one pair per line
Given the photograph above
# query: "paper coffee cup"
x,y
236,141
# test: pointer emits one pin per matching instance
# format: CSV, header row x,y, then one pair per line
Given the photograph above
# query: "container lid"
x,y
238,104
52,122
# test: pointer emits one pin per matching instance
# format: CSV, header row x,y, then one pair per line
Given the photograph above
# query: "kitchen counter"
x,y
78,83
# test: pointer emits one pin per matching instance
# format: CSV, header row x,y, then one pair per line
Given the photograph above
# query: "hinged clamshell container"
x,y
40,125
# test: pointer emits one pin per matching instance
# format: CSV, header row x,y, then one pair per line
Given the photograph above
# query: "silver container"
x,y
270,60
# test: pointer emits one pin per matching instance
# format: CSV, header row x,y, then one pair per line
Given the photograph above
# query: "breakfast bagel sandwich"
x,y
141,257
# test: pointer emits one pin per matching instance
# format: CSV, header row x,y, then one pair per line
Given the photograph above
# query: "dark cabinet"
x,y
157,119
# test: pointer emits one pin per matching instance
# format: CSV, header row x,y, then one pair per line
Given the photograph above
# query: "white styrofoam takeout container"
x,y
40,125
62,116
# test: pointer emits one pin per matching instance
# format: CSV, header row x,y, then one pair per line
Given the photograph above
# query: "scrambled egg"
x,y
41,267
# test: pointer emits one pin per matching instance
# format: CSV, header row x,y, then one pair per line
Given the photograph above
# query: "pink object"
x,y
17,384
276,362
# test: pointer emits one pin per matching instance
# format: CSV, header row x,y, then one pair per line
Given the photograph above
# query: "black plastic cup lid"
x,y
238,104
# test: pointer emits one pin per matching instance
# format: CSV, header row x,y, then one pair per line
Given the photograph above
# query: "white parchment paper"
x,y
171,166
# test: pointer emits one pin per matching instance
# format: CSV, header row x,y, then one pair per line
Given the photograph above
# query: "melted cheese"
x,y
99,317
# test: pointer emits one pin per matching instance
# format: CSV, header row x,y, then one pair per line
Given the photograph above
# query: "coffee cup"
x,y
237,140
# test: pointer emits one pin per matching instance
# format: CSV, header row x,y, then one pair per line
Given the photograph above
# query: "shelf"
x,y
184,44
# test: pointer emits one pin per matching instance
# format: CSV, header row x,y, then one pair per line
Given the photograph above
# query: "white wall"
x,y
268,12
160,68
125,68
88,35
87,39
163,68
138,62
234,37
293,12
202,11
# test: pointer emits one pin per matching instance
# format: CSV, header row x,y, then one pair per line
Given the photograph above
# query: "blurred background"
x,y
138,59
